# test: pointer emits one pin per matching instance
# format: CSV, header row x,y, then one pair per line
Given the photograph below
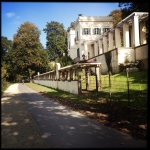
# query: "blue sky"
x,y
14,14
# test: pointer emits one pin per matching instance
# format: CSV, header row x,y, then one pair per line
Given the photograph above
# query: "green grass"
x,y
138,86
118,91
50,91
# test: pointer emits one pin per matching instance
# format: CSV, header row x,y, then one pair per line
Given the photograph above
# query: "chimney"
x,y
79,14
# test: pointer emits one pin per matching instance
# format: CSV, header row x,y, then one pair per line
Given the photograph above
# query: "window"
x,y
105,29
96,31
77,35
86,31
78,53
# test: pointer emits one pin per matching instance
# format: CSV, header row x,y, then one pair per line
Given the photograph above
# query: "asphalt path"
x,y
60,127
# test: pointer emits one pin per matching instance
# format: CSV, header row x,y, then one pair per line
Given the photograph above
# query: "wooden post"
x,y
87,78
109,86
79,82
127,70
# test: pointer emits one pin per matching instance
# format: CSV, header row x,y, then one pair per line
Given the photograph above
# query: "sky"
x,y
14,14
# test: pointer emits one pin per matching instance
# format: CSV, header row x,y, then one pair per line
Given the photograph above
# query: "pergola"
x,y
72,72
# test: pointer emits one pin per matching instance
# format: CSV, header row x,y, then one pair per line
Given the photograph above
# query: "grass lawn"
x,y
137,96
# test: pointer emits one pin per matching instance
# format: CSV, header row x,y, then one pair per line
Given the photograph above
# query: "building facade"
x,y
95,36
87,30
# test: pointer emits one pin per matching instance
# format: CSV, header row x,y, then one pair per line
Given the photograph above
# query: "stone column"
x,y
68,78
126,34
117,37
111,41
105,43
100,46
96,48
57,70
135,31
86,50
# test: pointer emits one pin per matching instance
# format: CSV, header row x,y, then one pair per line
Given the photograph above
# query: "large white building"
x,y
95,36
87,30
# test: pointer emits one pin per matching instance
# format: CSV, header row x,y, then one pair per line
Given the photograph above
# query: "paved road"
x,y
18,129
60,127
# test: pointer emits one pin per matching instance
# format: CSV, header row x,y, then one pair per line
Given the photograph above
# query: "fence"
x,y
126,86
69,78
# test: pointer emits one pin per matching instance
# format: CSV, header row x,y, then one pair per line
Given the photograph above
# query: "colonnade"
x,y
131,31
72,73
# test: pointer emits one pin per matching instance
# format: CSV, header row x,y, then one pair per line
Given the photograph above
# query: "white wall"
x,y
124,53
101,59
72,49
69,86
141,52
118,56
72,36
114,61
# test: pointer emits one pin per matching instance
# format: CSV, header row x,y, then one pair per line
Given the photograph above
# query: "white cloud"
x,y
11,14
17,17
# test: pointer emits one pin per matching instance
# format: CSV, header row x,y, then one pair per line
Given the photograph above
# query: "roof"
x,y
80,65
75,66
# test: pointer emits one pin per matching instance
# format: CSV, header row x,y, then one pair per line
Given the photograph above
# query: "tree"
x,y
72,25
65,61
130,7
6,65
44,60
27,53
116,15
11,68
56,39
135,6
6,45
125,12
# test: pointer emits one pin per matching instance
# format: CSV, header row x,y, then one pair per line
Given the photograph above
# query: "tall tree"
x,y
125,12
27,49
135,6
130,7
116,15
56,39
6,65
11,68
72,25
64,61
6,45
